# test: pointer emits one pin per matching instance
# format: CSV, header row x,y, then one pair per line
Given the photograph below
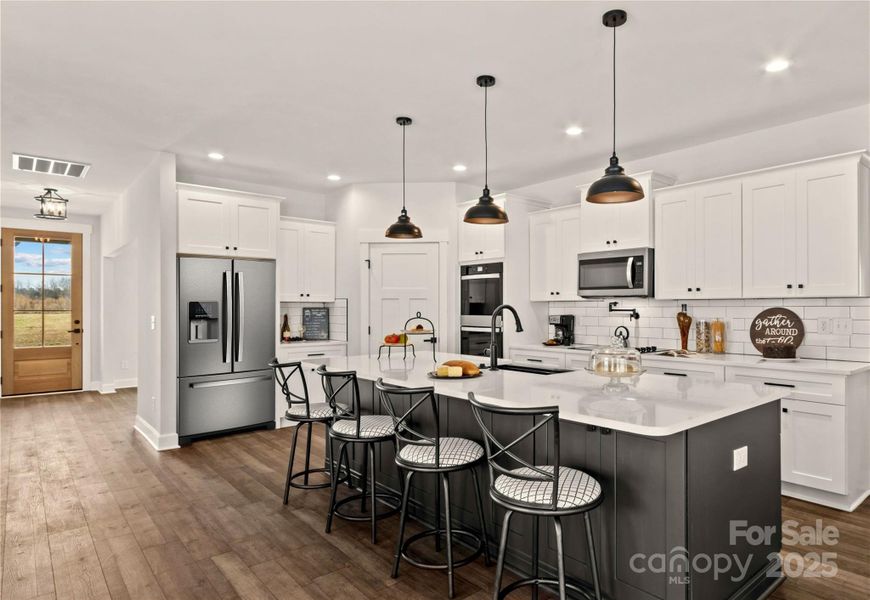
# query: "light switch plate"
x,y
843,326
741,458
153,322
823,327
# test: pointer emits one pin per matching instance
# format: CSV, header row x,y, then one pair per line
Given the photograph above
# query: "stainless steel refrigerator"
x,y
226,337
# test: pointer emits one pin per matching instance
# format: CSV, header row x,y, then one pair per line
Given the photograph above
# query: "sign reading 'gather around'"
x,y
776,326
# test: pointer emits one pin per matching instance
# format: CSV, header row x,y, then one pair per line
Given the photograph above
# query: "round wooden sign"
x,y
776,326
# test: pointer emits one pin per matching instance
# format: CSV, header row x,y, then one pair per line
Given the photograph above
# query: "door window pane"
x,y
57,326
28,329
28,255
28,292
58,257
58,290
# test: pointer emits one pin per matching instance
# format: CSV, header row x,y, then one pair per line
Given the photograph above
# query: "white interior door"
x,y
404,279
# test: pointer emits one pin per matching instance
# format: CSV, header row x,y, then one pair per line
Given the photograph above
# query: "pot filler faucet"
x,y
493,350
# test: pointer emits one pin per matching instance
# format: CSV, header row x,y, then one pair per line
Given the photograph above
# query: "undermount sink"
x,y
533,370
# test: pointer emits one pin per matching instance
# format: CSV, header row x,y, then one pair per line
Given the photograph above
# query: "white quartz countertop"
x,y
803,365
652,405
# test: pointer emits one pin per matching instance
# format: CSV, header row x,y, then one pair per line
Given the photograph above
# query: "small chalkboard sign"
x,y
776,326
315,323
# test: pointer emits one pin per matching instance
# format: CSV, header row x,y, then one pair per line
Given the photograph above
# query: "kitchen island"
x,y
682,517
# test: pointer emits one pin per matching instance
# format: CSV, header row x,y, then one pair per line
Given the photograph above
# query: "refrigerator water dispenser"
x,y
204,322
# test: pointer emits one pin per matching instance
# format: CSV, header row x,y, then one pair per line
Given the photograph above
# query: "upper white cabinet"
x,y
554,242
224,223
306,261
616,226
698,241
806,230
480,242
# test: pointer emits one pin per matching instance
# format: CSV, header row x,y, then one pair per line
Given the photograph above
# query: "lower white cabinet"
x,y
554,360
693,371
306,261
814,445
554,242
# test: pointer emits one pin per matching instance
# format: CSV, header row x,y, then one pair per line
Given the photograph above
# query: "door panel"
x,y
42,311
769,235
675,233
254,282
718,266
292,261
204,223
568,227
542,243
255,228
403,280
814,445
204,284
319,264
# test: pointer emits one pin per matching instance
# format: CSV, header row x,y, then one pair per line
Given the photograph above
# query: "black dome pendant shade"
x,y
486,211
403,228
615,187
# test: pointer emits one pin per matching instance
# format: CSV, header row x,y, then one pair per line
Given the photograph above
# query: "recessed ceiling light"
x,y
777,65
574,130
459,168
334,177
215,156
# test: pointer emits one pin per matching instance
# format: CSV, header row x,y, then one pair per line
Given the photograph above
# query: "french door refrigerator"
x,y
226,318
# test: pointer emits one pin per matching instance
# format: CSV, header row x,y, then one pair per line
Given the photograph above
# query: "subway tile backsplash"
x,y
657,325
337,316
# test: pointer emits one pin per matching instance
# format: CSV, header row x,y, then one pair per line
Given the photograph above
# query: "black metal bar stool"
x,y
420,453
353,427
550,491
302,412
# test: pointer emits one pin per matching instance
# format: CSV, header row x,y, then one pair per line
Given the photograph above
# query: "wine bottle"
x,y
285,330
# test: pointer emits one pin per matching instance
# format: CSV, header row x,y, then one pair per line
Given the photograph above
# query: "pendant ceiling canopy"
x,y
486,211
615,187
403,228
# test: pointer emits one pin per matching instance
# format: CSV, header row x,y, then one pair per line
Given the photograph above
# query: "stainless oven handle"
x,y
486,276
629,268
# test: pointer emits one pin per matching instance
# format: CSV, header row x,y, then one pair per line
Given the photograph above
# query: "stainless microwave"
x,y
616,273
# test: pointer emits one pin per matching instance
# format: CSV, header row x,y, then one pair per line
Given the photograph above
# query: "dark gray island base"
x,y
672,504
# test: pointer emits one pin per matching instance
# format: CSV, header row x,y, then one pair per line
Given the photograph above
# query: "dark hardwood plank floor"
x,y
89,510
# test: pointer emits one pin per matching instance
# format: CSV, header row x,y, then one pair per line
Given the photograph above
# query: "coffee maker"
x,y
563,326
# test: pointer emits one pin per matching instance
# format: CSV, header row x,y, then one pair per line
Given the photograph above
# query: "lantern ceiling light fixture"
x,y
486,211
615,187
403,228
52,205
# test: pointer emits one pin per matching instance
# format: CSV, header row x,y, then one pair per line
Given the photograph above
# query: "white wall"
x,y
833,133
120,318
95,273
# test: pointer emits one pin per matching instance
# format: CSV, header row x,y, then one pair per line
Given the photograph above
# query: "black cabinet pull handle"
x,y
591,428
316,354
785,410
606,431
614,241
688,289
801,286
226,247
674,374
235,247
697,289
537,360
608,242
788,286
785,385
557,293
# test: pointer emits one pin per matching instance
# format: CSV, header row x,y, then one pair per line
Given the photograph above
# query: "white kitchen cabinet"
x,y
698,233
480,242
814,445
306,261
217,222
806,230
554,242
618,226
554,360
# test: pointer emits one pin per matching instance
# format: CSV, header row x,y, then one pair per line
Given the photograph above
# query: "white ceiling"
x,y
290,92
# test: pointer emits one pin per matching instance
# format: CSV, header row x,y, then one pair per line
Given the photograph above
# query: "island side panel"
x,y
719,495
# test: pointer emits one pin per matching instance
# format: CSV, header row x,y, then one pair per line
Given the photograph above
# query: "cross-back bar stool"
x,y
551,491
430,453
353,427
301,412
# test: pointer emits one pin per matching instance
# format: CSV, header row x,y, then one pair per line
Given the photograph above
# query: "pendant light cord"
x,y
403,169
485,139
614,91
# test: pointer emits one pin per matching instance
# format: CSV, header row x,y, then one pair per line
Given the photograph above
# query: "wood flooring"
x,y
88,509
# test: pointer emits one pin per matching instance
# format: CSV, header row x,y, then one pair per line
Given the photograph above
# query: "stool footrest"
x,y
579,587
478,549
309,486
382,497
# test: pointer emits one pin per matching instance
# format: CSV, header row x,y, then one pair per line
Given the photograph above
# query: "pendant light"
x,y
615,187
486,211
403,228
52,205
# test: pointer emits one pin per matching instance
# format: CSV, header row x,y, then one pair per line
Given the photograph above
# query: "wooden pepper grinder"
x,y
684,321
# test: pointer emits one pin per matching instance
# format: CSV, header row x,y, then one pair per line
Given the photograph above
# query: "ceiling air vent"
x,y
50,166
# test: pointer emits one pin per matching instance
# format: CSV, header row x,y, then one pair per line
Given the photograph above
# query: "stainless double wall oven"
x,y
481,292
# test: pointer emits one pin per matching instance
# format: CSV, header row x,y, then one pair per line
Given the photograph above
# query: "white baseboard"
x,y
126,383
847,503
167,441
106,388
111,388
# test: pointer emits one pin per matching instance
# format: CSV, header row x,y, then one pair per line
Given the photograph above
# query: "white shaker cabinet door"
x,y
568,236
319,264
769,235
204,220
675,232
542,250
827,231
255,228
718,240
814,445
291,261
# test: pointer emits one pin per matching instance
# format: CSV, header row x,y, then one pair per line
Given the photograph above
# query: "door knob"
x,y
76,330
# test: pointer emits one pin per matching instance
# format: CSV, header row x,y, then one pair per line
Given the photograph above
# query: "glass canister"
x,y
615,361
703,343
717,334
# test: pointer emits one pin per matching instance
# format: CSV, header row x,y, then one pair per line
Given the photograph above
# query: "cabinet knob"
x,y
608,242
557,293
614,241
226,247
235,247
301,295
785,410
697,289
688,289
788,286
307,294
551,293
800,286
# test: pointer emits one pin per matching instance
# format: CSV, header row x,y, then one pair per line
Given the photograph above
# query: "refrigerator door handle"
x,y
223,382
227,315
240,316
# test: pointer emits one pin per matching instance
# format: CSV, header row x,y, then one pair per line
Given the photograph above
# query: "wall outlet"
x,y
125,364
823,326
741,458
843,326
